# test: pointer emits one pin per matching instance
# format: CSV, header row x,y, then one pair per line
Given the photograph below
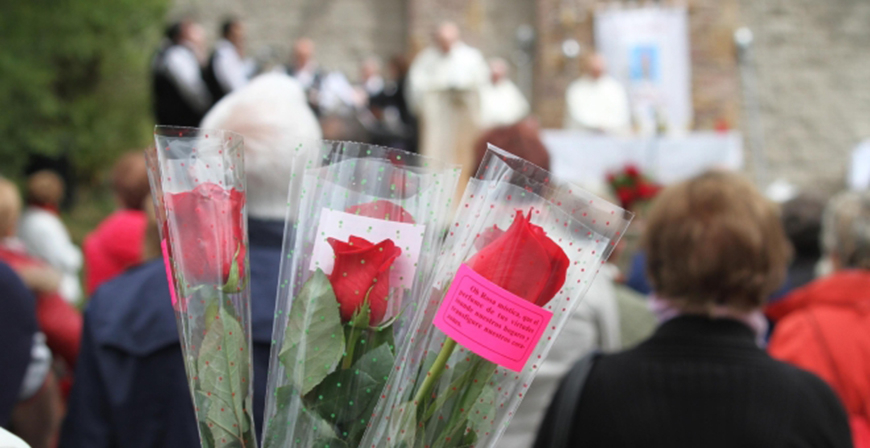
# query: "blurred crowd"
x,y
723,319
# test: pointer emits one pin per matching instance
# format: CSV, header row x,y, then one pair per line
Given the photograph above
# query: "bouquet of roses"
x,y
198,186
518,259
631,186
353,263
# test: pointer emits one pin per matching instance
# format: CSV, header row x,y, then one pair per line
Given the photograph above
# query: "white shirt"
x,y
183,69
231,71
502,104
45,237
597,105
9,440
462,68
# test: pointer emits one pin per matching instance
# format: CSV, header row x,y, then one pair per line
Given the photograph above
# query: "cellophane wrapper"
x,y
198,186
440,393
369,223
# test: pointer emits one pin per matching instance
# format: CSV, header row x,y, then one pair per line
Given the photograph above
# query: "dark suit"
x,y
699,382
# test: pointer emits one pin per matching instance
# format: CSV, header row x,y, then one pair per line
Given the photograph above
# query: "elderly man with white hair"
x,y
131,389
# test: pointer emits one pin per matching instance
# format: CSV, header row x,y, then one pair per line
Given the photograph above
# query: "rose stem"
x,y
351,344
436,370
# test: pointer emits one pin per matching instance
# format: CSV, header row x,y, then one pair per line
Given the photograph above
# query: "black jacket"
x,y
699,382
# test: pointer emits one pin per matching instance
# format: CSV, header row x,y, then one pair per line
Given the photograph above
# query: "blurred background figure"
x,y
30,401
371,81
521,139
597,102
116,243
180,94
444,87
60,322
228,69
397,125
131,389
802,219
502,103
716,250
305,69
45,235
823,326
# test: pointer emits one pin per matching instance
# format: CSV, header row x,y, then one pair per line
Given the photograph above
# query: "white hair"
x,y
272,115
846,229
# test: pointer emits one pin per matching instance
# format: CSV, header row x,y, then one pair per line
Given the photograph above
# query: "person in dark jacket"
x,y
133,392
180,94
715,250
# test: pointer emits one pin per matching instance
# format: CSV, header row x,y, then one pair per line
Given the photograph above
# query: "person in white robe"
x,y
597,102
444,85
502,103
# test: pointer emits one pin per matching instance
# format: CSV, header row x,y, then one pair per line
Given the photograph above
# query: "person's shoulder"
x,y
819,417
133,311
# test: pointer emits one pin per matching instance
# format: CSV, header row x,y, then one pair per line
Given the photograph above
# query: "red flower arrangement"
x,y
631,186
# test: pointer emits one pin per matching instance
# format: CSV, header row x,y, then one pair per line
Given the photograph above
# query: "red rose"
x,y
362,271
385,210
632,171
626,196
647,190
524,261
206,225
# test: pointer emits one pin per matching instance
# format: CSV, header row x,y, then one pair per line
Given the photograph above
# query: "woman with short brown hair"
x,y
716,250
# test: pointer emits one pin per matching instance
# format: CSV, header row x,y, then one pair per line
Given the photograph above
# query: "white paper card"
x,y
341,225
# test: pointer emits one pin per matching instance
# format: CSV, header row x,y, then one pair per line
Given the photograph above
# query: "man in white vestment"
x,y
444,85
597,102
502,103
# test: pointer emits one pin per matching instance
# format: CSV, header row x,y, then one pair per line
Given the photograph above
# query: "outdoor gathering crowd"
x,y
729,321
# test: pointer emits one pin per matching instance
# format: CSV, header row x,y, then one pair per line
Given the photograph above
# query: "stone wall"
x,y
814,82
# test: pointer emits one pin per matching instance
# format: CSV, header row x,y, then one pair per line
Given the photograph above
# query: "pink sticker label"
x,y
168,273
490,321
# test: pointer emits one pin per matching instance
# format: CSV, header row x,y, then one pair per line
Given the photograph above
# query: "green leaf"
x,y
277,426
403,424
314,338
232,285
306,427
483,410
377,363
362,315
341,397
223,367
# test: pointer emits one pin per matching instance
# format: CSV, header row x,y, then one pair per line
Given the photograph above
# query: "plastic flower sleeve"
x,y
198,185
518,259
354,263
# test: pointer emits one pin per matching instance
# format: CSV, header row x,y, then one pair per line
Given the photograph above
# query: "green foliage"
x,y
314,338
223,367
74,79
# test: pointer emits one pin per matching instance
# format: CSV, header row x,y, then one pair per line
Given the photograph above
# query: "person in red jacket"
x,y
824,327
116,244
60,322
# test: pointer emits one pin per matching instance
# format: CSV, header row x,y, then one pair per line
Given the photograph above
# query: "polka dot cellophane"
x,y
326,375
198,184
473,400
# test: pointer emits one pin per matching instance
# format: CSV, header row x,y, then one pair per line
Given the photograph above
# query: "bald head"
x,y
498,69
446,35
303,51
596,66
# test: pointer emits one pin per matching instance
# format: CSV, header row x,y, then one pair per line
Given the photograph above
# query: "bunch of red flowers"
x,y
632,186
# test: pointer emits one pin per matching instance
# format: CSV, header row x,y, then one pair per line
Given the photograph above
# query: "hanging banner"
x,y
647,49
